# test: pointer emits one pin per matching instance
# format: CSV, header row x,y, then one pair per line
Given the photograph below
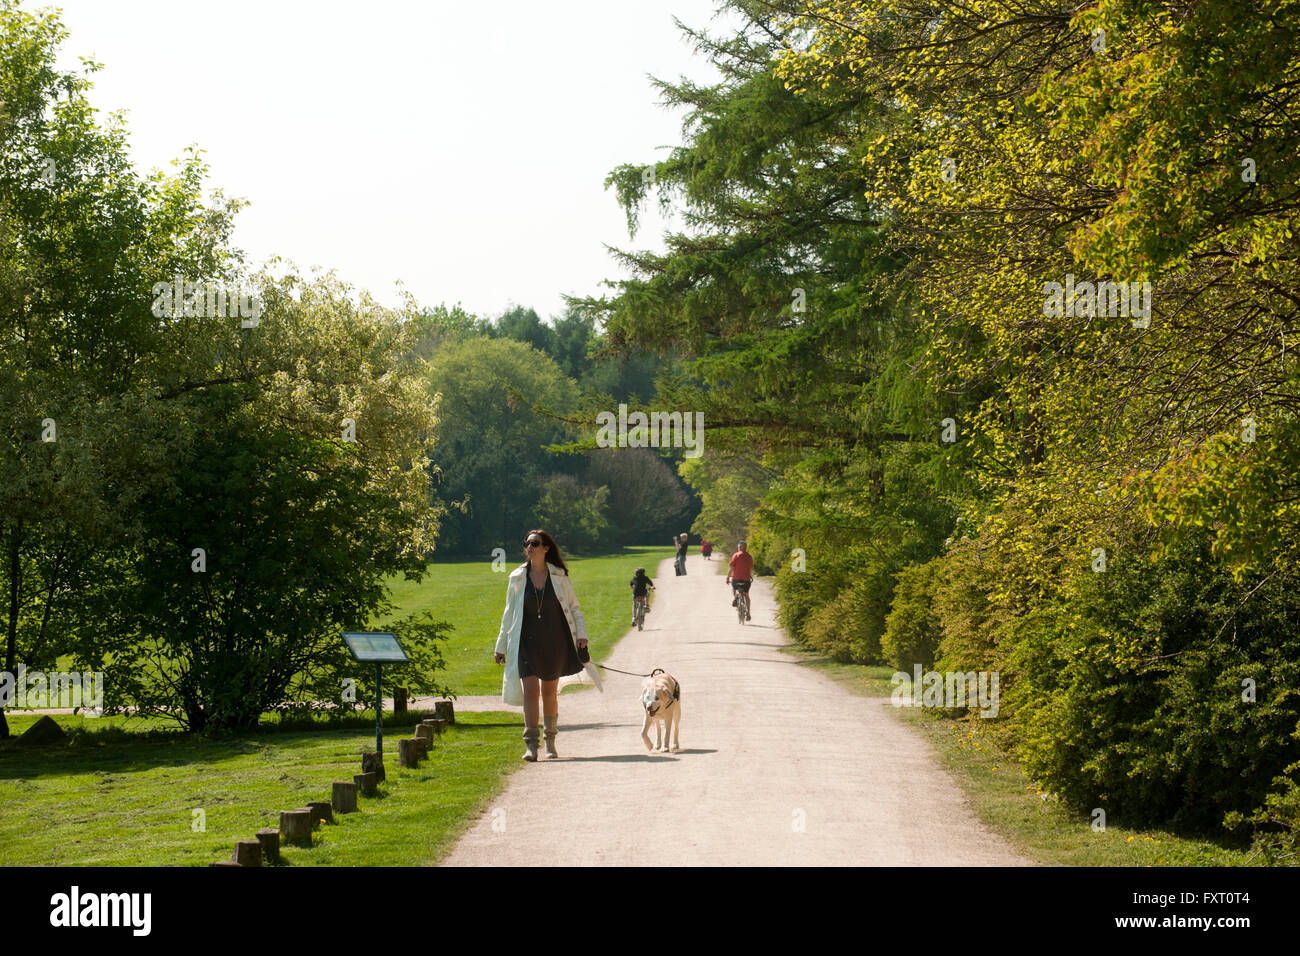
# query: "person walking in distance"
x,y
740,574
543,637
680,542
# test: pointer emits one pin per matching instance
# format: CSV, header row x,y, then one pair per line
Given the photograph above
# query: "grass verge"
x,y
114,797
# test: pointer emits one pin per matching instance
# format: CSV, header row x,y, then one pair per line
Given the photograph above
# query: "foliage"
x,y
647,502
1162,691
573,512
730,487
490,458
274,528
89,378
1109,143
1277,822
913,629
1110,487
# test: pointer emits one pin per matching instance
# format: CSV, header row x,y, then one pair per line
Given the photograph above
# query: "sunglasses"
x,y
535,543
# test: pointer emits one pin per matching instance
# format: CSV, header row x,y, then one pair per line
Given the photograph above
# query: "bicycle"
x,y
742,600
639,609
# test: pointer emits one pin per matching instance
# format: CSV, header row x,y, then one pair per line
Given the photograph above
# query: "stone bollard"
x,y
424,732
320,810
248,853
373,762
344,796
407,755
366,783
399,700
296,826
270,841
443,710
436,724
421,748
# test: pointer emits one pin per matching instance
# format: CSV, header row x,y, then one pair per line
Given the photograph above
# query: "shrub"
x,y
912,629
849,625
1277,822
1129,689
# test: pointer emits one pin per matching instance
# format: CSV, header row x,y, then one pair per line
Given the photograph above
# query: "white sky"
x,y
458,147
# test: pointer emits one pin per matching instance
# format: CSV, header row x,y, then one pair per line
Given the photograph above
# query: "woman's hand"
x,y
501,658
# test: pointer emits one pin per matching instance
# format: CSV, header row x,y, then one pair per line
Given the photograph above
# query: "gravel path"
x,y
779,765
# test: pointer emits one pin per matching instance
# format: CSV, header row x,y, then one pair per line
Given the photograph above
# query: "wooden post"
x,y
344,796
444,710
296,826
399,700
320,810
437,723
407,756
424,732
270,840
366,783
248,853
421,748
373,762
224,863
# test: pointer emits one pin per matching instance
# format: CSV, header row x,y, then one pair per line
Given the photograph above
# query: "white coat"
x,y
512,690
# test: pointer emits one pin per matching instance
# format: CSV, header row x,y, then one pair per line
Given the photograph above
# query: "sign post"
x,y
380,647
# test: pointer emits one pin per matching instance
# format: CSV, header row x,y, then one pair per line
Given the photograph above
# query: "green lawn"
x,y
127,797
123,790
1008,802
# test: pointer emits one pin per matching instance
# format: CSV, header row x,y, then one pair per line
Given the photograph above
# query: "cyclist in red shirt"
x,y
741,573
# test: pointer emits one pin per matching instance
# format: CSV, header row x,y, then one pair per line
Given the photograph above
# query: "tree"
x,y
490,452
87,373
574,337
797,344
573,512
647,502
441,325
1123,515
300,484
524,325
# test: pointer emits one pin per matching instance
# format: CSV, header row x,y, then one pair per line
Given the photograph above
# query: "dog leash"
x,y
677,685
657,670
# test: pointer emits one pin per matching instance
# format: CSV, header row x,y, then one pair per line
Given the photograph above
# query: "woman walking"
x,y
543,638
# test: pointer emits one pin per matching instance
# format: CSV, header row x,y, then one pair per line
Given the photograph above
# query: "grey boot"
x,y
530,743
550,737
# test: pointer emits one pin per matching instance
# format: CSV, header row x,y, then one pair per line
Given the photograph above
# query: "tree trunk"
x,y
11,640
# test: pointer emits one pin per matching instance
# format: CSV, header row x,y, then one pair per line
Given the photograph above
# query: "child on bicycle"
x,y
641,586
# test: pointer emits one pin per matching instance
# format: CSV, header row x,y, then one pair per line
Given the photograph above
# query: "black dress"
x,y
545,648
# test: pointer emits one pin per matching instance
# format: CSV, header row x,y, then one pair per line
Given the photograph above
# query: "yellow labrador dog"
x,y
661,696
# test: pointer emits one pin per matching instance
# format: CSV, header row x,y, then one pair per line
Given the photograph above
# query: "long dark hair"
x,y
555,558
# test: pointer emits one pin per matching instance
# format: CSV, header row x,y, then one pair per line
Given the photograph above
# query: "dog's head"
x,y
657,694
